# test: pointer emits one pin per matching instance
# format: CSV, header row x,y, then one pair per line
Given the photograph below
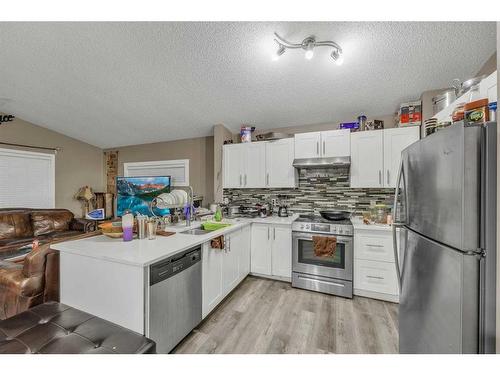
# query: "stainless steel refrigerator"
x,y
445,241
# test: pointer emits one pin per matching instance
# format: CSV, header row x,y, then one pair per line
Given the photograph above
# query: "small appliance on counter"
x,y
283,207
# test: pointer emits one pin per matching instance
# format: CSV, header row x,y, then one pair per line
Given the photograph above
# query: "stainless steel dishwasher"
x,y
175,298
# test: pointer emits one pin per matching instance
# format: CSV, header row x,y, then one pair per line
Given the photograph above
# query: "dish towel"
x,y
217,243
324,246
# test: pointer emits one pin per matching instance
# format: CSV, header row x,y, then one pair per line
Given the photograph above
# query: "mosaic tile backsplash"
x,y
318,189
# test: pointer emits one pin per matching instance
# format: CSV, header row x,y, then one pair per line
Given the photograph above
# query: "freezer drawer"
x,y
379,277
439,301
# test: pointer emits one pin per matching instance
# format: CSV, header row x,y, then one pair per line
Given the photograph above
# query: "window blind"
x,y
27,179
177,169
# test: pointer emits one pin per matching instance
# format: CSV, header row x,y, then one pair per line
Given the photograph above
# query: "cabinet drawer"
x,y
374,246
375,276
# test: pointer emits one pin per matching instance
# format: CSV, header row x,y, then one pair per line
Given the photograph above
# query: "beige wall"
x,y
199,151
77,164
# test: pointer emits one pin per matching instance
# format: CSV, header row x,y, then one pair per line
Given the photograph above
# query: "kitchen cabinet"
x,y
281,251
260,249
279,164
367,159
224,269
271,250
259,165
332,143
374,264
244,165
376,154
395,141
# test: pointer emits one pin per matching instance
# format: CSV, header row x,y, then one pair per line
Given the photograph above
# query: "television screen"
x,y
136,193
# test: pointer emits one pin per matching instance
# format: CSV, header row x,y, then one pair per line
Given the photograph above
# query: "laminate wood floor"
x,y
267,316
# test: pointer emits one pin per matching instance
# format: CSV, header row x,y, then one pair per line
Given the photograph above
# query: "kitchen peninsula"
x,y
111,278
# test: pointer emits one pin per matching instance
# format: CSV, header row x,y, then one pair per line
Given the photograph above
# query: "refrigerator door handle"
x,y
397,224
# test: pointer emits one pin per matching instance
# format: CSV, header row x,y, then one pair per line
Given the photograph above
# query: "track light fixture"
x,y
308,45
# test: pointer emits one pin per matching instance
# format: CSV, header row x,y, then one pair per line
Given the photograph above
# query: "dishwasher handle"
x,y
171,266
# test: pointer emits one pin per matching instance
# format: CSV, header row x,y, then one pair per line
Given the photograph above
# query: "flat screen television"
x,y
136,193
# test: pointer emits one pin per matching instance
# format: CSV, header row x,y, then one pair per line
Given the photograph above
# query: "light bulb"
x,y
280,52
338,57
309,54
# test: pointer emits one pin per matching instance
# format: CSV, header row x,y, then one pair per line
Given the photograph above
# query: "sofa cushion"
x,y
15,224
46,222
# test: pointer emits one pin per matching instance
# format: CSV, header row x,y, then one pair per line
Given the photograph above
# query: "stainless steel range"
x,y
327,274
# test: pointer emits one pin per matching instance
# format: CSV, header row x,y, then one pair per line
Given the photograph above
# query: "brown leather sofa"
x,y
20,226
33,278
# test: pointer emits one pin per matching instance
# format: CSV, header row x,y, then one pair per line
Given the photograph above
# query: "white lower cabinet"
x,y
271,253
224,269
374,265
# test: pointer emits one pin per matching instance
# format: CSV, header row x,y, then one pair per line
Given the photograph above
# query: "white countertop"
x,y
145,252
358,224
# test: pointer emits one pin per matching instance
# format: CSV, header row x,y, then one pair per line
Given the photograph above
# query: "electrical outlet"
x,y
274,202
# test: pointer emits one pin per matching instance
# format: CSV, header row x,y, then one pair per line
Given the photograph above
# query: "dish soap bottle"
x,y
128,226
218,214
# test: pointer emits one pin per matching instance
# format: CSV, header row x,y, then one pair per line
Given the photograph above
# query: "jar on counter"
x,y
379,213
477,111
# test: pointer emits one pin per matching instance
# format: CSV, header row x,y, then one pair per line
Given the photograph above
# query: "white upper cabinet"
x,y
367,159
307,145
376,154
233,162
336,143
395,141
254,163
325,144
279,159
259,165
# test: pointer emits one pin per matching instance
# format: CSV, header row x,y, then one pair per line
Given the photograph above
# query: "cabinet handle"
x,y
324,148
267,179
380,177
317,148
387,178
240,180
274,233
374,277
374,245
245,179
268,235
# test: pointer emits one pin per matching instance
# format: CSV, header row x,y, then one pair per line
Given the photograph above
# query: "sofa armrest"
x,y
83,225
14,281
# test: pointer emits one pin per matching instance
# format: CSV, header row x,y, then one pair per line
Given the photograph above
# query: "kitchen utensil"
x,y
462,87
335,214
283,211
443,100
272,136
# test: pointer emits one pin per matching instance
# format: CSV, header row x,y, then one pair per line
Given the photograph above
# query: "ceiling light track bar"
x,y
308,44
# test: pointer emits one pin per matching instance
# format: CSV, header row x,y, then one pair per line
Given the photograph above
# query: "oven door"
x,y
304,260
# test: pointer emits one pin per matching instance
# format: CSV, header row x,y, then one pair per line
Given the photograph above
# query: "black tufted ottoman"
x,y
54,328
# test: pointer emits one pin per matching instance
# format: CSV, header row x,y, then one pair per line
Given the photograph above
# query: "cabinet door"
x,y
279,164
244,252
336,143
395,141
230,263
212,292
232,157
254,165
307,145
282,251
379,277
367,160
260,259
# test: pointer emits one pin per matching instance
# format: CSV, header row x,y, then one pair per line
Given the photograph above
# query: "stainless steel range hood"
x,y
341,161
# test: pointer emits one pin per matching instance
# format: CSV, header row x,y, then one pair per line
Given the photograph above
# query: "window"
x,y
177,169
27,179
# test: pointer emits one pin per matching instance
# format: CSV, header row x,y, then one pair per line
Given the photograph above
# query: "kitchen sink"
x,y
196,232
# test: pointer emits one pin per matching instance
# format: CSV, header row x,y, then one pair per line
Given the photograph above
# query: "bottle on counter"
x,y
218,214
128,226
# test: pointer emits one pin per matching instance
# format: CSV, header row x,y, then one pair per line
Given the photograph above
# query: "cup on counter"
x,y
152,226
141,226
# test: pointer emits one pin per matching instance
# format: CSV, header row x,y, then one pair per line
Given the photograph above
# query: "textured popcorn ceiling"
x,y
114,84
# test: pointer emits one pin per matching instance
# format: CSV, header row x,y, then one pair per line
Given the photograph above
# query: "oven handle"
x,y
308,236
321,281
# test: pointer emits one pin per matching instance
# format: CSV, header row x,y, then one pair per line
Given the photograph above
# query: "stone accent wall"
x,y
318,189
111,158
